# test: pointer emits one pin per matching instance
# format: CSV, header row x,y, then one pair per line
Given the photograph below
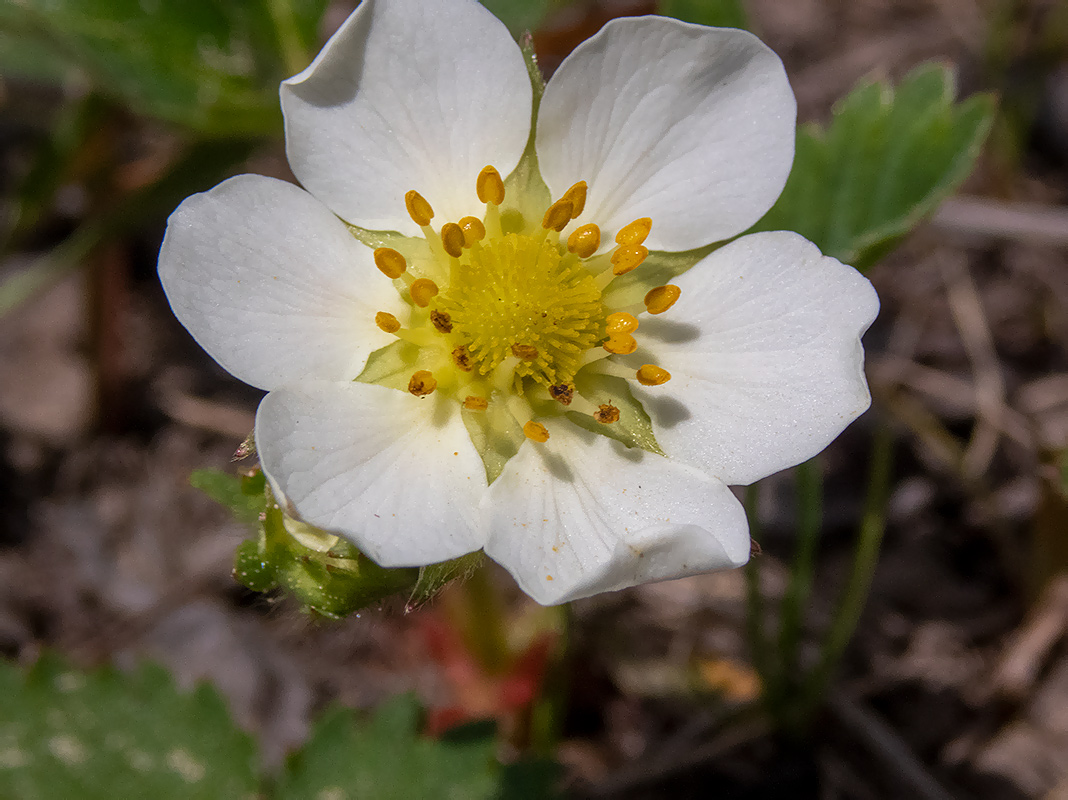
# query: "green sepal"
x,y
415,249
658,269
887,159
525,194
252,568
495,434
243,495
435,577
330,577
634,428
334,583
394,364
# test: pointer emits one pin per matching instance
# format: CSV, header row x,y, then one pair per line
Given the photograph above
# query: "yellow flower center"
x,y
517,296
513,317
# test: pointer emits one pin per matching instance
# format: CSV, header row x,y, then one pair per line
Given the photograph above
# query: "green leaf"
x,y
886,161
519,15
634,428
56,157
239,494
210,66
715,13
384,758
106,735
28,59
435,577
530,780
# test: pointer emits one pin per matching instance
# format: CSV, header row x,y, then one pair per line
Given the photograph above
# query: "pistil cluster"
x,y
513,316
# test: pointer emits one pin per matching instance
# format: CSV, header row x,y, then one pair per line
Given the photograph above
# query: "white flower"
x,y
683,136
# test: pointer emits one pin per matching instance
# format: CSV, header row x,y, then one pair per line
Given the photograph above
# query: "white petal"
x,y
691,126
272,284
581,514
765,356
408,94
394,474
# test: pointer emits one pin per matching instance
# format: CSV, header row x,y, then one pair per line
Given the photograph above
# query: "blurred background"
x,y
956,681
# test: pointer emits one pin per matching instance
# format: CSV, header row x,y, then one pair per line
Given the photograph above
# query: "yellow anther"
x,y
536,432
584,241
489,186
652,375
423,290
452,239
557,215
387,322
628,256
461,358
441,321
634,232
622,322
474,230
527,352
475,403
606,414
422,383
418,208
660,299
577,195
622,344
390,262
563,393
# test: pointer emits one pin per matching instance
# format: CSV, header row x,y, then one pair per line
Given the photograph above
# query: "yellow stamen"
x,y
622,322
418,208
577,195
557,215
635,232
526,352
606,414
387,322
475,403
536,432
423,291
441,321
422,383
474,230
621,344
584,241
489,186
652,375
563,393
660,299
390,262
627,257
452,239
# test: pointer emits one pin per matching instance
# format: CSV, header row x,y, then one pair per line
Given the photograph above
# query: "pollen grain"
x,y
536,432
422,383
660,299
